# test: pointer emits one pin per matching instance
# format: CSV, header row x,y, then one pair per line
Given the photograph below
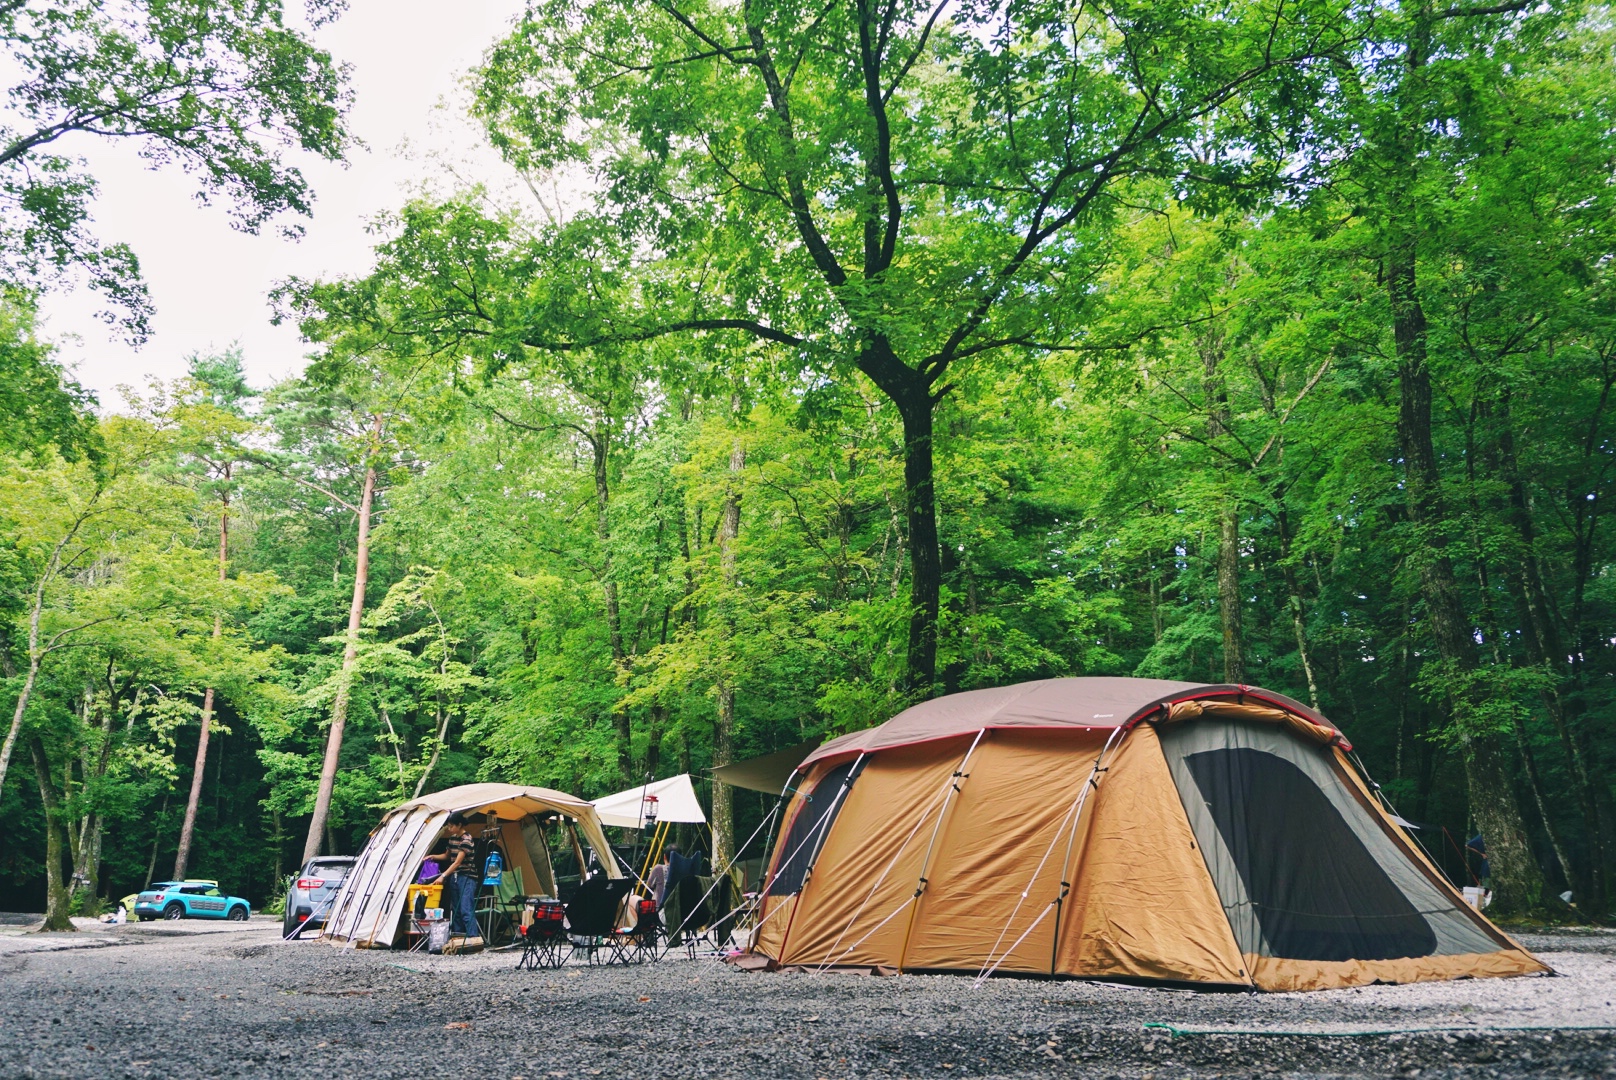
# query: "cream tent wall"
x,y
1125,828
369,908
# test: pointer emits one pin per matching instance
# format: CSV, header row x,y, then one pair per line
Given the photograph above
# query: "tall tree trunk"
x,y
87,852
157,839
1545,646
22,698
1517,879
1535,783
1293,591
183,856
437,748
350,653
1210,346
280,846
58,896
915,407
653,739
622,724
1234,664
729,530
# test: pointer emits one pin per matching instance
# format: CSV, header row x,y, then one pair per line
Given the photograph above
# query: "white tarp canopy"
x,y
675,801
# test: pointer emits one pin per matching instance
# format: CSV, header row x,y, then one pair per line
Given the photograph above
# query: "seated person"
x,y
657,879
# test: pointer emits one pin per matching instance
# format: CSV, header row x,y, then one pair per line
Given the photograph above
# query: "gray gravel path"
x,y
198,1000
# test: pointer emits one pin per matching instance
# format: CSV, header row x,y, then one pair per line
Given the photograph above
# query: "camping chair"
x,y
693,912
592,920
644,941
544,940
710,921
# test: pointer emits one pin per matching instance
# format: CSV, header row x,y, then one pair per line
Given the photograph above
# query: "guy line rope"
x,y
940,801
819,827
735,858
1074,814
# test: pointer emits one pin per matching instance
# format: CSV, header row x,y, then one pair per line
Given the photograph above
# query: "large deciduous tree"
x,y
895,188
220,90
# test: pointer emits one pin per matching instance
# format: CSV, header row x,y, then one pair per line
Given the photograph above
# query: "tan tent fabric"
x,y
774,914
1283,975
880,811
947,857
990,849
1180,711
1144,906
369,909
1050,703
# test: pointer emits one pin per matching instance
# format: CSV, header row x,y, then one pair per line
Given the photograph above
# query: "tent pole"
x,y
387,897
654,853
785,826
824,828
1091,784
959,777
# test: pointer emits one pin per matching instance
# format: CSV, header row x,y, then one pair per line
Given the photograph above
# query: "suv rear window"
x,y
330,871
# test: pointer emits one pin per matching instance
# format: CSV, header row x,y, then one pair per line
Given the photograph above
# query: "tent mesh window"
x,y
1317,892
809,829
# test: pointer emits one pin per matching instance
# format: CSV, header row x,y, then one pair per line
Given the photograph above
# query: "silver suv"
x,y
311,895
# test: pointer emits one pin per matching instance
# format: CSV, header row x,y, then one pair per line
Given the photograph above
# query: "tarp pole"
x,y
653,854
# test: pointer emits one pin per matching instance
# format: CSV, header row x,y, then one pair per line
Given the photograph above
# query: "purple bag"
x,y
429,870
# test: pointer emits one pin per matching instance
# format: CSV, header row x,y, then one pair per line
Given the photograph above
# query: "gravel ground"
x,y
199,999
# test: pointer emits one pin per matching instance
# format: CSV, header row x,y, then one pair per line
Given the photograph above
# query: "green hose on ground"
x,y
1176,1031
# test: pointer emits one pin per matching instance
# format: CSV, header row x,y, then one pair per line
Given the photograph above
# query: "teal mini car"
x,y
189,900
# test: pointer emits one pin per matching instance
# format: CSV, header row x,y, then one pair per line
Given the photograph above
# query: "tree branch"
x,y
751,326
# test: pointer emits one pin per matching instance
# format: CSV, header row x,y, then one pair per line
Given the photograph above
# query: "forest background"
x,y
837,357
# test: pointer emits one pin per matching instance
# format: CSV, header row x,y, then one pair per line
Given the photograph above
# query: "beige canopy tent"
x,y
369,911
660,801
1117,828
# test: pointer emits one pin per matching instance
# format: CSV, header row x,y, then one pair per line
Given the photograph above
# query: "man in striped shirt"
x,y
459,880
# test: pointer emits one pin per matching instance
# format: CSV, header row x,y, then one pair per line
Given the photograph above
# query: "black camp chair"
x,y
592,921
644,941
706,921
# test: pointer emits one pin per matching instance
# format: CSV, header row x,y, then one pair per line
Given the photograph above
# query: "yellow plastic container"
x,y
434,896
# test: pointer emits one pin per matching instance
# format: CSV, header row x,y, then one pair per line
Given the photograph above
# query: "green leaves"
x,y
221,91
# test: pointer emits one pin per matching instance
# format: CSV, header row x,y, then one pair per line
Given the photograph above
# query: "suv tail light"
x,y
310,883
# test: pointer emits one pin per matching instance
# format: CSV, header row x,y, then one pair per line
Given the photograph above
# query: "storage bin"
x,y
433,893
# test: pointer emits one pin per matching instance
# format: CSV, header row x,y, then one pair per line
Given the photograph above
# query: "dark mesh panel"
x,y
1317,892
797,851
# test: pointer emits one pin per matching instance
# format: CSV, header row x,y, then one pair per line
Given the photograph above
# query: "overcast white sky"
x,y
209,283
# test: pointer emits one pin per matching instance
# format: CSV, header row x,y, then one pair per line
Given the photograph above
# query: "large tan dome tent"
x,y
1113,828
